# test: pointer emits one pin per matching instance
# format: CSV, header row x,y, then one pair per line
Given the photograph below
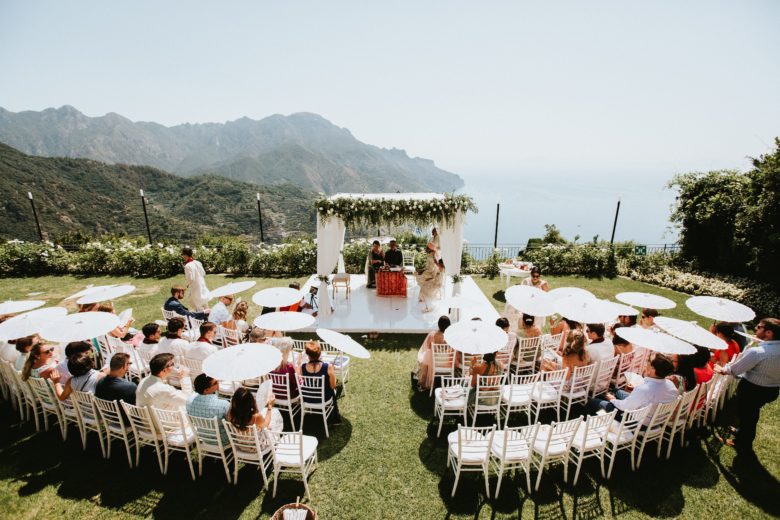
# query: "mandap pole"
x,y
35,214
146,217
495,236
260,218
614,225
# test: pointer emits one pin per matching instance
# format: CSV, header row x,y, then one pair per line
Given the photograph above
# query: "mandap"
x,y
335,213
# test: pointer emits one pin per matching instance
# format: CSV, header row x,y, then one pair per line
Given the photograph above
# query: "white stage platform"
x,y
364,311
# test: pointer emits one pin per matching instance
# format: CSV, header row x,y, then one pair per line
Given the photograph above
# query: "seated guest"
x,y
154,391
535,280
152,334
573,355
647,320
700,361
206,403
114,387
425,354
393,256
488,366
317,368
683,377
40,362
622,345
656,389
173,343
23,347
204,347
511,342
238,321
563,325
527,327
71,349
219,312
374,262
122,330
599,348
627,320
243,412
84,377
725,331
258,335
285,367
174,304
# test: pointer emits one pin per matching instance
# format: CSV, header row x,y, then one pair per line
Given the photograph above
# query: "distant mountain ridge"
x,y
303,149
94,198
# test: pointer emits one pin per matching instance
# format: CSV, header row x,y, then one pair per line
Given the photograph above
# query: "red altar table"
x,y
391,283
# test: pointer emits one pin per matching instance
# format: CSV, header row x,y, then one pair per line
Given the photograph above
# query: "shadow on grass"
x,y
499,296
422,404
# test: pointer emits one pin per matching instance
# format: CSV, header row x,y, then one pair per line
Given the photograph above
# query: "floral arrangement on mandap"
x,y
378,211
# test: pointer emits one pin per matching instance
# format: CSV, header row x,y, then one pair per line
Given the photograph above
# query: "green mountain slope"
x,y
303,149
96,198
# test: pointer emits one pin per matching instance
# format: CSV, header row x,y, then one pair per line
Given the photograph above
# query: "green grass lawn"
x,y
384,462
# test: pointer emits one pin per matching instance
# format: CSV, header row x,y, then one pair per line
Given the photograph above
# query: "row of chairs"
x,y
537,446
165,431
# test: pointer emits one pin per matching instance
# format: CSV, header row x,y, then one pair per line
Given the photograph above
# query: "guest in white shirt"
x,y
203,348
71,349
599,348
154,391
152,334
8,352
22,350
219,312
655,390
173,343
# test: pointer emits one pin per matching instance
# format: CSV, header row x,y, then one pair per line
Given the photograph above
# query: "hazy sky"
x,y
650,88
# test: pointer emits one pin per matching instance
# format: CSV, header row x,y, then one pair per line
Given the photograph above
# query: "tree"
x,y
552,235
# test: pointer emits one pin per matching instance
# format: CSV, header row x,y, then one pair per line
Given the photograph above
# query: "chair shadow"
x,y
421,404
627,489
329,446
586,499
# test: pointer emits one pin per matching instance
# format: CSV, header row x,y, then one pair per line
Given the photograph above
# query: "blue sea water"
x,y
583,206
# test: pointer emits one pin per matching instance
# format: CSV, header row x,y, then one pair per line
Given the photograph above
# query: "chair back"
x,y
140,418
288,445
683,410
44,393
208,433
409,257
640,359
169,315
553,379
454,389
334,356
248,444
228,337
195,323
597,425
110,412
313,389
581,379
474,443
489,390
280,385
559,433
528,353
603,375
518,439
662,414
522,383
299,345
443,359
625,365
552,340
504,356
173,424
105,348
84,403
195,366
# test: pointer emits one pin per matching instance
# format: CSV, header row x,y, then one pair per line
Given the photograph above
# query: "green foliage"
x,y
552,235
730,221
376,212
491,269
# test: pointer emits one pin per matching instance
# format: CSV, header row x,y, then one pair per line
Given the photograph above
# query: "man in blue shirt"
x,y
760,370
175,305
206,403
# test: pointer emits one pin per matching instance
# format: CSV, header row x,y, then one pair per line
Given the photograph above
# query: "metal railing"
x,y
481,252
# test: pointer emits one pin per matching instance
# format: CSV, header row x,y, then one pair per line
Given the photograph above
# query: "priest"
x,y
196,280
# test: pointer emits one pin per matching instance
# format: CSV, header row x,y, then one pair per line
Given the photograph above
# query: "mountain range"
x,y
302,149
94,198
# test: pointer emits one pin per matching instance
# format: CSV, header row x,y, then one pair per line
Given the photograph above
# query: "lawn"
x,y
384,462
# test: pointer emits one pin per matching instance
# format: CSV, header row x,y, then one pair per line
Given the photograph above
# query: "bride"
x,y
430,279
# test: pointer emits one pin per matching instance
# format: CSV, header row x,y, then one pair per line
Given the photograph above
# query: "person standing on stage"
x,y
393,256
374,262
196,280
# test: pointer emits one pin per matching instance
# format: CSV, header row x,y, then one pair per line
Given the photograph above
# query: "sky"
x,y
485,89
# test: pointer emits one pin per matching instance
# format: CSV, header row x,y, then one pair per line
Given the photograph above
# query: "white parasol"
x,y
14,306
89,289
585,310
720,309
277,297
475,337
530,300
284,320
107,294
343,343
231,288
79,327
243,361
30,322
691,332
622,310
646,300
125,315
658,341
565,292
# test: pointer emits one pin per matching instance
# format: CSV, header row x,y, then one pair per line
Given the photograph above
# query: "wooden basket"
x,y
311,514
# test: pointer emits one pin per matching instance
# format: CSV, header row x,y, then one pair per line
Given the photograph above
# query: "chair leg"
x,y
455,485
189,461
227,469
500,477
441,421
276,478
539,476
325,422
577,472
306,484
487,486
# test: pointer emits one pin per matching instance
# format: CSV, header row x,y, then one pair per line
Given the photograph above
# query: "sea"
x,y
579,207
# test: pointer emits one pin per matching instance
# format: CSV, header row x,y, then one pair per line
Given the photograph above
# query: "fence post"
x,y
146,217
614,225
35,214
495,237
260,218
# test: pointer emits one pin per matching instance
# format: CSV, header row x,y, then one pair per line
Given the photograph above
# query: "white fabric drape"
x,y
330,240
451,234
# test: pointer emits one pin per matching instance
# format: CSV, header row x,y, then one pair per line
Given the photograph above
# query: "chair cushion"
x,y
473,455
544,393
625,437
516,450
516,394
592,442
556,447
179,439
450,403
289,458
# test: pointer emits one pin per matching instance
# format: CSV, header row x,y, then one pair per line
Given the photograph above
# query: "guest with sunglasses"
x,y
535,280
40,362
154,391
